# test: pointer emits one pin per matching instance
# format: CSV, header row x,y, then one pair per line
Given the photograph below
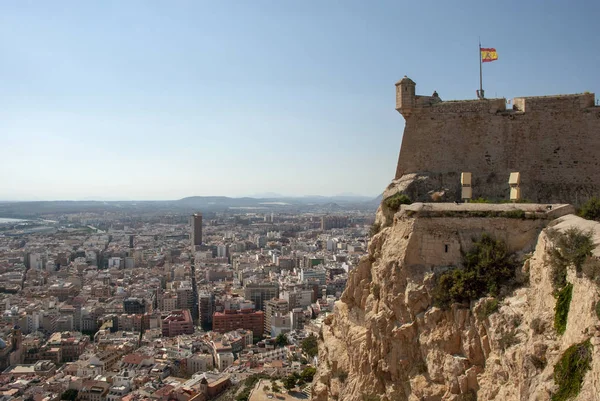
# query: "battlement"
x,y
407,102
555,102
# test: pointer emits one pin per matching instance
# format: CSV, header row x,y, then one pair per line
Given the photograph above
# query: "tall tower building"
x,y
197,229
274,307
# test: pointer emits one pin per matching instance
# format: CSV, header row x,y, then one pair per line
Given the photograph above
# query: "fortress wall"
x,y
554,144
470,106
439,242
555,103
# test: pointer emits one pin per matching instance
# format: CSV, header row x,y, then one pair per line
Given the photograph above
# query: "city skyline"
x,y
145,101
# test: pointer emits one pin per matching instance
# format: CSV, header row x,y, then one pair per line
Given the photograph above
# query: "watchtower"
x,y
405,96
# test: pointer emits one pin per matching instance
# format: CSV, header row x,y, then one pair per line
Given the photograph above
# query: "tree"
x,y
310,346
289,382
308,373
275,387
69,395
591,209
281,340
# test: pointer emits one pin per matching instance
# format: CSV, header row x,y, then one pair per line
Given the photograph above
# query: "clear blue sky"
x,y
162,100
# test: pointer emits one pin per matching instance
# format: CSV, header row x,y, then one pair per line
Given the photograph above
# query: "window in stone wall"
x,y
446,247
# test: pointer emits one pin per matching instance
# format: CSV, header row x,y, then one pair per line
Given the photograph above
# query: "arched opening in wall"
x,y
446,248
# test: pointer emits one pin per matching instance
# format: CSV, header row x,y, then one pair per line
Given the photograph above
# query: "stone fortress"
x,y
553,141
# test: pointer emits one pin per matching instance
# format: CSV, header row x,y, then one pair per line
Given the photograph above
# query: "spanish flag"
x,y
488,54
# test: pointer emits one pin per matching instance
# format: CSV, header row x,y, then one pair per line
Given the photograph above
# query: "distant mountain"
x,y
198,200
192,204
337,198
267,195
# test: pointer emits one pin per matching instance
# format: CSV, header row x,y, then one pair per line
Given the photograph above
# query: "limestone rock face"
x,y
385,341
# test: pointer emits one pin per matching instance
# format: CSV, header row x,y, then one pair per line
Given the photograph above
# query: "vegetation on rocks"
x,y
563,304
490,306
573,247
508,339
570,370
591,209
487,267
375,228
393,202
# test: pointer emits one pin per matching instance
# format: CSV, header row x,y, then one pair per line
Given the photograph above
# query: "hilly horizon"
x,y
349,197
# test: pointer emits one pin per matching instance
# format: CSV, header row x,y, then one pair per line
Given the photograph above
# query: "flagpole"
x,y
480,73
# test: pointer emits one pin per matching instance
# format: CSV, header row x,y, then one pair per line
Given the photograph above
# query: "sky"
x,y
142,100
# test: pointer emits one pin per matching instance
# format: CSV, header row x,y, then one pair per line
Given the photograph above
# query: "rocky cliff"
x,y
386,340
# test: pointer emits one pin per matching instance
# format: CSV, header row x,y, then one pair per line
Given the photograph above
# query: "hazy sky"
x,y
167,99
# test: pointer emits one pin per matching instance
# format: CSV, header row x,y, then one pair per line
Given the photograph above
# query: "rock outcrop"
x,y
386,340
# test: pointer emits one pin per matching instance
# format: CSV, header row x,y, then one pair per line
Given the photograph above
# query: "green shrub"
x,y
310,346
394,201
289,382
480,200
487,266
490,306
591,209
514,214
308,374
591,269
563,303
281,340
573,247
570,370
375,227
69,395
244,395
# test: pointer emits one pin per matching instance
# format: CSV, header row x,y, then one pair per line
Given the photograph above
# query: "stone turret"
x,y
405,96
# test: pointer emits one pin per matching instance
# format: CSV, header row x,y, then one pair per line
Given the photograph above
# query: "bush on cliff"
x,y
572,247
591,209
570,370
375,228
394,201
561,310
487,267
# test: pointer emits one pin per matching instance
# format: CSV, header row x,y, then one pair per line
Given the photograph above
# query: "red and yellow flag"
x,y
488,54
